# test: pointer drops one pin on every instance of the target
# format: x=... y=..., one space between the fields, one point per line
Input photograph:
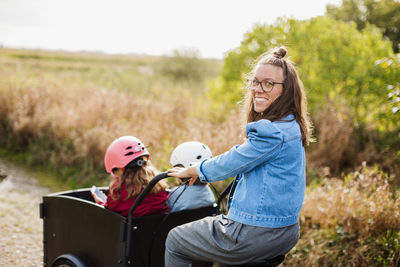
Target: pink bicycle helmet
x=122 y=151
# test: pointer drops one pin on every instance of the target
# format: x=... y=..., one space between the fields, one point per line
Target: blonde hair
x=136 y=178
x=291 y=101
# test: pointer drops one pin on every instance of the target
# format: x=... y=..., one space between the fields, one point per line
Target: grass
x=350 y=221
x=59 y=112
x=63 y=120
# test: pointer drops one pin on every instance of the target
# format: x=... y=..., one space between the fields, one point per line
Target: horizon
x=151 y=28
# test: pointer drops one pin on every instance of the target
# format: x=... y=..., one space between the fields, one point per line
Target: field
x=59 y=111
x=64 y=109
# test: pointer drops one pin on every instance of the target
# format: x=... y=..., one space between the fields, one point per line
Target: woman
x=269 y=170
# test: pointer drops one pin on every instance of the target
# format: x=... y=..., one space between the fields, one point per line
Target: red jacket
x=151 y=204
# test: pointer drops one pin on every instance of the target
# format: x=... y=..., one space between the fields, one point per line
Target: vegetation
x=384 y=14
x=346 y=73
x=59 y=111
x=353 y=221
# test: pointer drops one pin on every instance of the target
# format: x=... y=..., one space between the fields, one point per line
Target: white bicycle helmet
x=188 y=153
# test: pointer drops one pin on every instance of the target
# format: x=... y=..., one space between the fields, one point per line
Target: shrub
x=353 y=221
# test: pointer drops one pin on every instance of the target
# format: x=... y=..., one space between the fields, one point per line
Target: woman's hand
x=189 y=172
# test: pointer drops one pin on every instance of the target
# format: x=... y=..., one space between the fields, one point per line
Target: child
x=127 y=160
x=199 y=194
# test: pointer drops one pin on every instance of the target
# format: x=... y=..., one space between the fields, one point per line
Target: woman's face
x=261 y=99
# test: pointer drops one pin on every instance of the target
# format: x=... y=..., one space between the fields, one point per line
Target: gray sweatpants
x=219 y=239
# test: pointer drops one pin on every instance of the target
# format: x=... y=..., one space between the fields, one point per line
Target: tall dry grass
x=363 y=202
x=343 y=144
x=353 y=221
x=335 y=146
x=62 y=122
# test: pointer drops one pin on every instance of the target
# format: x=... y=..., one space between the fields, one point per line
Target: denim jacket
x=269 y=170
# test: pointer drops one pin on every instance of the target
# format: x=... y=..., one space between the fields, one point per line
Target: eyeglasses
x=266 y=85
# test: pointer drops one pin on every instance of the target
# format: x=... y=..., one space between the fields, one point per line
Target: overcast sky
x=151 y=27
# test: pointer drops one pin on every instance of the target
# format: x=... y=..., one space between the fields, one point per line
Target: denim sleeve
x=263 y=143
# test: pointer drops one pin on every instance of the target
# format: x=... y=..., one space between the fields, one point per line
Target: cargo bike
x=77 y=232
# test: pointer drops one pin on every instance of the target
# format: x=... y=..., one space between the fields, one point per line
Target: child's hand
x=98 y=200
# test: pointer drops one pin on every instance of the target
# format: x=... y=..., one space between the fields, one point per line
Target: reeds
x=363 y=203
x=350 y=221
x=69 y=123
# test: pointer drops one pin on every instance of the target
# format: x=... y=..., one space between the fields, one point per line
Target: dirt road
x=20 y=225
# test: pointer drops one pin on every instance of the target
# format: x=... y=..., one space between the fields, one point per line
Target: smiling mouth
x=260 y=99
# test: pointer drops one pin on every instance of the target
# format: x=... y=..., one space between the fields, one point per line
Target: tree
x=384 y=14
x=183 y=65
x=389 y=68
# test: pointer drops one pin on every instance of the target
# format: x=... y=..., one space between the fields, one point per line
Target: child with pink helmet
x=127 y=160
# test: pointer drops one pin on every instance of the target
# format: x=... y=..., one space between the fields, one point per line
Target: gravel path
x=20 y=226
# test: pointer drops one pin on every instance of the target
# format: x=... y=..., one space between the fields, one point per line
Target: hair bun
x=279 y=52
